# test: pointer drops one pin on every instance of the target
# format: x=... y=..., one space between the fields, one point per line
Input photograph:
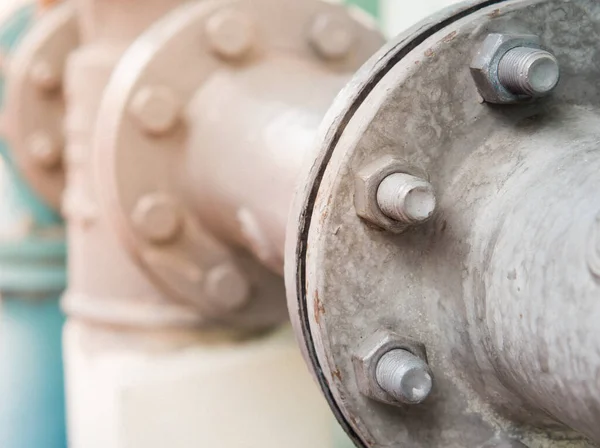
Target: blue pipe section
x=371 y=6
x=32 y=277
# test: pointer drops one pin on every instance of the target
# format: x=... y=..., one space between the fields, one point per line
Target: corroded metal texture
x=497 y=68
x=367 y=186
x=497 y=285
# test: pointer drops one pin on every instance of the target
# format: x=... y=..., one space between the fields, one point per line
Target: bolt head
x=45 y=150
x=231 y=34
x=367 y=356
x=366 y=188
x=157 y=109
x=332 y=36
x=227 y=287
x=45 y=77
x=484 y=66
x=158 y=217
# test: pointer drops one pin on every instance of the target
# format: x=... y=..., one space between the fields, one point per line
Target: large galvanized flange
x=34 y=112
x=141 y=151
x=347 y=280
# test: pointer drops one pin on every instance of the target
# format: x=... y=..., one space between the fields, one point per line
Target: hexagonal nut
x=369 y=353
x=366 y=184
x=484 y=66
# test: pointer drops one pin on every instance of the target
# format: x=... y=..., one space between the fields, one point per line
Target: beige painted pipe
x=202 y=131
x=104 y=283
x=246 y=149
x=144 y=367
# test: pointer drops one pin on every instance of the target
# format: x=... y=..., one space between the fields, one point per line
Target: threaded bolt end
x=404 y=376
x=406 y=198
x=529 y=71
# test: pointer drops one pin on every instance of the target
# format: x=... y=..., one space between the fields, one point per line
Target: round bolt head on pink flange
x=332 y=37
x=231 y=34
x=156 y=109
x=158 y=217
x=227 y=286
x=45 y=150
x=45 y=77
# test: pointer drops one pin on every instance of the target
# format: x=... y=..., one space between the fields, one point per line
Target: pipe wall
x=533 y=273
x=246 y=150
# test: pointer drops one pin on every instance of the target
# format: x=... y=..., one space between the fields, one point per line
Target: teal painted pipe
x=32 y=276
x=370 y=6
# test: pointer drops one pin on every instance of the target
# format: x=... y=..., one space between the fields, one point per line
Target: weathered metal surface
x=366 y=191
x=486 y=66
x=368 y=354
x=488 y=284
x=405 y=377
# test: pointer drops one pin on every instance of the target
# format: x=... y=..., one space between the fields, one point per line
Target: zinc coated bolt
x=404 y=376
x=368 y=355
x=529 y=71
x=231 y=34
x=406 y=198
x=510 y=68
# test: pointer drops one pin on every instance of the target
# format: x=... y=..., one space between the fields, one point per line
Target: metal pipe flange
x=468 y=283
x=146 y=126
x=34 y=112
